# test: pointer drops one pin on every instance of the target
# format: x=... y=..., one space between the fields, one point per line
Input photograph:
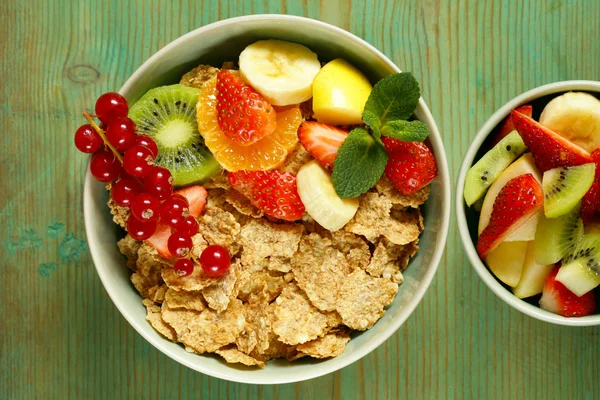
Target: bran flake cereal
x=330 y=345
x=233 y=355
x=362 y=299
x=183 y=300
x=154 y=317
x=290 y=329
x=320 y=270
x=208 y=330
x=218 y=294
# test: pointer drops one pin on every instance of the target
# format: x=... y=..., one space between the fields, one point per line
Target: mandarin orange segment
x=263 y=155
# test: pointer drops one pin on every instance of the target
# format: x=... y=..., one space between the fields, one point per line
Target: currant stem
x=90 y=119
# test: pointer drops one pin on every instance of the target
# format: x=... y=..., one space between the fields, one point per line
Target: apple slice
x=518 y=200
x=507 y=260
x=524 y=165
x=533 y=275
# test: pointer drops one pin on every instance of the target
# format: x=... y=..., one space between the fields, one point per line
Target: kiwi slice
x=490 y=166
x=556 y=237
x=580 y=271
x=564 y=187
x=168 y=115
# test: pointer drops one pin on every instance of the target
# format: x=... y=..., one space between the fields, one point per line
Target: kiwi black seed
x=564 y=187
x=490 y=166
x=555 y=238
x=160 y=115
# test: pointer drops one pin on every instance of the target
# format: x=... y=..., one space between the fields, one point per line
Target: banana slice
x=282 y=72
x=574 y=116
x=320 y=199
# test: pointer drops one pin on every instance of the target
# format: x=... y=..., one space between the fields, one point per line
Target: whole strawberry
x=410 y=166
x=274 y=192
x=558 y=299
x=243 y=114
x=590 y=204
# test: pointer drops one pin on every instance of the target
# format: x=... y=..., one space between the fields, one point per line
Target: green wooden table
x=61 y=336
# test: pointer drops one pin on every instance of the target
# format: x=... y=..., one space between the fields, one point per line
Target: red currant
x=140 y=230
x=188 y=226
x=183 y=267
x=121 y=133
x=159 y=182
x=105 y=166
x=215 y=260
x=145 y=207
x=174 y=210
x=138 y=161
x=111 y=105
x=179 y=244
x=147 y=141
x=125 y=191
x=87 y=139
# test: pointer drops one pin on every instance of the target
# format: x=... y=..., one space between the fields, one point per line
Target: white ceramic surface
x=214 y=44
x=463 y=227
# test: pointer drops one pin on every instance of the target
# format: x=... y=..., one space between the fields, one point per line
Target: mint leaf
x=393 y=98
x=359 y=164
x=407 y=131
x=372 y=121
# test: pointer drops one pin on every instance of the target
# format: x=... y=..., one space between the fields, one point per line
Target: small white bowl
x=223 y=41
x=461 y=217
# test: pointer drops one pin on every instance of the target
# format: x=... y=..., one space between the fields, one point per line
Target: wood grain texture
x=60 y=335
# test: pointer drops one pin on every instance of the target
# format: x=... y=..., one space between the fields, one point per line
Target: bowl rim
x=330 y=365
x=488 y=278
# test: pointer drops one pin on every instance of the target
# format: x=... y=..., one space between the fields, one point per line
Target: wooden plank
x=61 y=337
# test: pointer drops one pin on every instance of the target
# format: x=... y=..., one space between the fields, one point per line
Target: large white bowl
x=214 y=44
x=461 y=208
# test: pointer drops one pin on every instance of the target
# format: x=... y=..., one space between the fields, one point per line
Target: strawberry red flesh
x=411 y=165
x=517 y=201
x=549 y=149
x=196 y=196
x=558 y=299
x=273 y=192
x=590 y=204
x=243 y=114
x=508 y=126
x=322 y=141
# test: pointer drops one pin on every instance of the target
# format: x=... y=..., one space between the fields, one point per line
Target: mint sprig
x=407 y=131
x=359 y=164
x=362 y=158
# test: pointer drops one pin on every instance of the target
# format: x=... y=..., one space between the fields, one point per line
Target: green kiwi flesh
x=490 y=166
x=564 y=187
x=580 y=271
x=168 y=115
x=556 y=237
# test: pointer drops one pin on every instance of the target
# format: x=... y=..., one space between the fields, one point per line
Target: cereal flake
x=362 y=298
x=330 y=345
x=154 y=317
x=233 y=355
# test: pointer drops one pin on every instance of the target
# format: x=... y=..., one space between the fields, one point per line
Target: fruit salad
x=269 y=205
x=536 y=194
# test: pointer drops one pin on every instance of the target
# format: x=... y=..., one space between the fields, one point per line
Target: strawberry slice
x=322 y=141
x=558 y=299
x=243 y=114
x=590 y=204
x=410 y=166
x=508 y=126
x=517 y=201
x=549 y=149
x=274 y=192
x=196 y=196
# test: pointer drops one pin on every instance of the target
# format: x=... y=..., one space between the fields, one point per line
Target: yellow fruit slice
x=507 y=260
x=263 y=155
x=340 y=92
